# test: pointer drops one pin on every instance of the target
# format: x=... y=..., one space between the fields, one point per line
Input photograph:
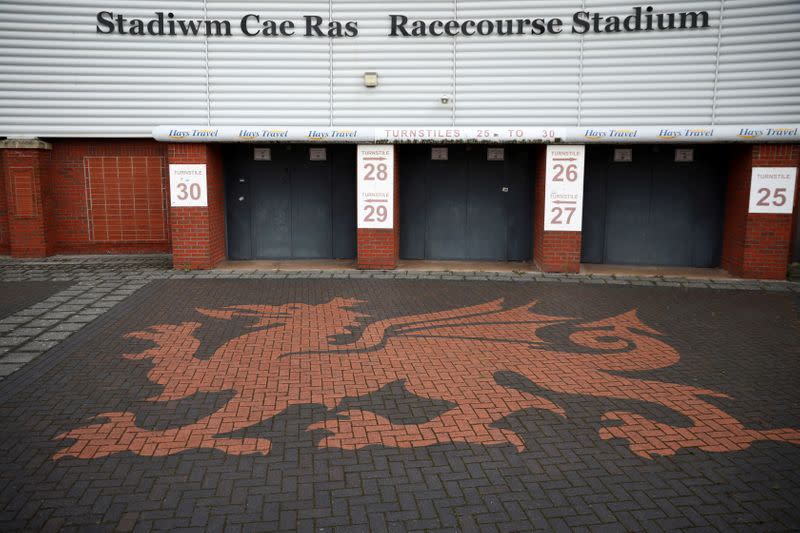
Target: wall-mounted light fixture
x=371 y=79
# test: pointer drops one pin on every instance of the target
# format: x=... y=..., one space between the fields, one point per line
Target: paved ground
x=14 y=297
x=337 y=400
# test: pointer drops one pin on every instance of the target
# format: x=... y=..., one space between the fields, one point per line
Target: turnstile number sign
x=564 y=188
x=376 y=187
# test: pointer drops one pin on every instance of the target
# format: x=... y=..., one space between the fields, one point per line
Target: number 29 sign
x=187 y=186
x=376 y=186
x=563 y=205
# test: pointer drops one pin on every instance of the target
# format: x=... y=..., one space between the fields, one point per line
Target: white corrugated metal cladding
x=59 y=77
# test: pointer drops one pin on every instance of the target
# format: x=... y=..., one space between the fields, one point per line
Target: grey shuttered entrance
x=466 y=207
x=653 y=210
x=291 y=207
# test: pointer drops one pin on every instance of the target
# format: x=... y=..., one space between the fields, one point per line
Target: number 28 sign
x=376 y=186
x=563 y=206
x=187 y=186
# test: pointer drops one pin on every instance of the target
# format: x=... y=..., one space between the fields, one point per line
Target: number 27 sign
x=376 y=186
x=563 y=206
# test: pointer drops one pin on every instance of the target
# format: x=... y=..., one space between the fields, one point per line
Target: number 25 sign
x=772 y=190
x=376 y=186
x=187 y=186
x=563 y=206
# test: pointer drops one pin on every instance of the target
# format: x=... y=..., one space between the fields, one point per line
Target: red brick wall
x=27 y=202
x=108 y=196
x=756 y=245
x=736 y=206
x=4 y=246
x=198 y=233
x=379 y=249
x=553 y=251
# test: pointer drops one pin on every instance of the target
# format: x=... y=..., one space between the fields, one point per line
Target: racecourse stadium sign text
x=642 y=19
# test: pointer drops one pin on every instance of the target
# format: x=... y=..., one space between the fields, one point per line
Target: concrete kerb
x=94 y=270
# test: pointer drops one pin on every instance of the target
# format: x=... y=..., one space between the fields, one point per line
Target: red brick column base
x=553 y=251
x=198 y=233
x=379 y=249
x=26 y=163
x=756 y=245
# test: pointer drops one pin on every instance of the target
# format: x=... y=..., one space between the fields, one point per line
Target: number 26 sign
x=187 y=186
x=563 y=206
x=376 y=186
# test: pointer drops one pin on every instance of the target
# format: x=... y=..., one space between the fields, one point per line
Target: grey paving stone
x=68 y=326
x=19 y=357
x=37 y=346
x=42 y=322
x=594 y=281
x=57 y=315
x=54 y=335
x=6 y=369
x=777 y=288
x=12 y=341
x=82 y=318
x=28 y=331
x=30 y=313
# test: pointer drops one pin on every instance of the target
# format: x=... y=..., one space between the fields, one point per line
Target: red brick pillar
x=198 y=233
x=756 y=245
x=379 y=249
x=26 y=163
x=553 y=251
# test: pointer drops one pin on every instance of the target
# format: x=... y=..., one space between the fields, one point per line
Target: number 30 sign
x=187 y=186
x=376 y=186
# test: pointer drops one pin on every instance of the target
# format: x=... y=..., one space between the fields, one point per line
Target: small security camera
x=445 y=98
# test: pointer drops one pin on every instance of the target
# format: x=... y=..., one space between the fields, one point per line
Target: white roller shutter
x=759 y=62
x=268 y=80
x=58 y=77
x=414 y=72
x=518 y=79
x=655 y=78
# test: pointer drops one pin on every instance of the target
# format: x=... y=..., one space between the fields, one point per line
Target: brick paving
x=368 y=401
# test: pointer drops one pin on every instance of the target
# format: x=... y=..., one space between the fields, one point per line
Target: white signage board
x=623 y=155
x=187 y=186
x=684 y=155
x=439 y=154
x=317 y=154
x=563 y=205
x=772 y=190
x=262 y=154
x=376 y=186
x=495 y=154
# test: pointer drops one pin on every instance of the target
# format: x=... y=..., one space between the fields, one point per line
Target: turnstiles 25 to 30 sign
x=376 y=186
x=563 y=206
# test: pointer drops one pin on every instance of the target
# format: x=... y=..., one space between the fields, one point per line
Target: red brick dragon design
x=290 y=357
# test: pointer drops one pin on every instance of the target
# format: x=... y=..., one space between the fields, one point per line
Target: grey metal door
x=653 y=210
x=466 y=207
x=291 y=207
